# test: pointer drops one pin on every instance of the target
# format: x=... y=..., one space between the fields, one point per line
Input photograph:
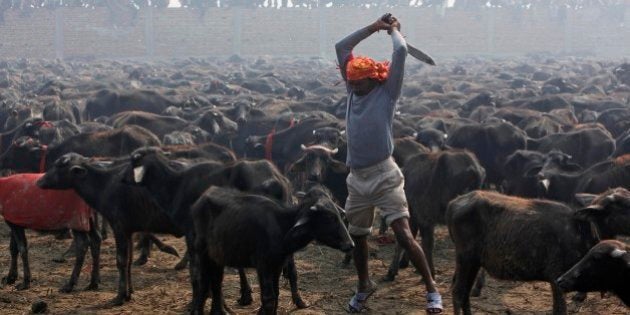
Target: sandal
x=357 y=303
x=434 y=303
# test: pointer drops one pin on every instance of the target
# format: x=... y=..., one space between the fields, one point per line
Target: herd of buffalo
x=525 y=160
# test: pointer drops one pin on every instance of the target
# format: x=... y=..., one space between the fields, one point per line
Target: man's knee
x=402 y=231
x=357 y=231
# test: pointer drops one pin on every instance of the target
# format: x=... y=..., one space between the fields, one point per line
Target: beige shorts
x=380 y=185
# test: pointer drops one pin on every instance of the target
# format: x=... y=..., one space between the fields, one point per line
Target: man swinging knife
x=375 y=180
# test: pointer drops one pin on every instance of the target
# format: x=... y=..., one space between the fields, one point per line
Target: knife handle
x=387 y=18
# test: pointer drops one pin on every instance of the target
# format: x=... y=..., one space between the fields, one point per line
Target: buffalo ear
x=584 y=199
x=297 y=229
x=572 y=167
x=78 y=171
x=590 y=212
x=302 y=221
x=298 y=166
x=617 y=253
x=532 y=172
x=34 y=149
x=297 y=234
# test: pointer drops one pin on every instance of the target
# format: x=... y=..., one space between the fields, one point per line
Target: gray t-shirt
x=369 y=118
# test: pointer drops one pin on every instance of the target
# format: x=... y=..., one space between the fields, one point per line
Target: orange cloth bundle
x=363 y=67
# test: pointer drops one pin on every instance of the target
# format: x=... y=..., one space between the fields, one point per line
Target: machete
x=418 y=54
x=413 y=51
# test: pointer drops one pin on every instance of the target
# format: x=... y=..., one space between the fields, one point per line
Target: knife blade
x=413 y=51
x=418 y=54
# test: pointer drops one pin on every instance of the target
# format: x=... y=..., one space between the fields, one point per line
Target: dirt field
x=161 y=290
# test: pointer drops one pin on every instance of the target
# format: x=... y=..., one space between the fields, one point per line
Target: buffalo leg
x=184 y=261
x=63 y=234
x=95 y=251
x=268 y=297
x=22 y=245
x=200 y=267
x=246 y=290
x=82 y=241
x=579 y=297
x=276 y=291
x=163 y=247
x=103 y=227
x=144 y=244
x=215 y=272
x=383 y=228
x=466 y=269
x=70 y=252
x=392 y=272
x=559 y=304
x=293 y=283
x=198 y=300
x=13 y=272
x=123 y=244
x=347 y=259
x=129 y=260
x=479 y=283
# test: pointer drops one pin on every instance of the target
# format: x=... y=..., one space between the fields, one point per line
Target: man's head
x=363 y=86
x=363 y=74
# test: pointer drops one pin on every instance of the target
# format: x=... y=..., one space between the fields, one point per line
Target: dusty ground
x=161 y=290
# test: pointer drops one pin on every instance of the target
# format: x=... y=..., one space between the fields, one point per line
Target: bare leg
x=361 y=263
x=416 y=255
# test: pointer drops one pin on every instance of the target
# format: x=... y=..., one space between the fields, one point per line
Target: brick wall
x=77 y=32
x=31 y=36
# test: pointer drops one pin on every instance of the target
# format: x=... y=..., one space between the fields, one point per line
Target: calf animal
x=431 y=181
x=587 y=146
x=244 y=230
x=24 y=205
x=491 y=144
x=176 y=190
x=128 y=209
x=508 y=237
x=29 y=155
x=606 y=267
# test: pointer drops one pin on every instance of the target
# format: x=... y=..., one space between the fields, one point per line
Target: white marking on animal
x=138 y=174
x=545 y=183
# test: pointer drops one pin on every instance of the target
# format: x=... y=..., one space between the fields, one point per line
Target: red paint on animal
x=23 y=203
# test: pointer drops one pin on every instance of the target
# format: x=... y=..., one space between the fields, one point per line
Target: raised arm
x=393 y=84
x=344 y=47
